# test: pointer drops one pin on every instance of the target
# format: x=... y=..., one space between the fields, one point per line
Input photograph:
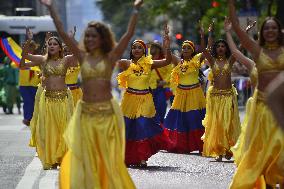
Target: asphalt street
x=21 y=169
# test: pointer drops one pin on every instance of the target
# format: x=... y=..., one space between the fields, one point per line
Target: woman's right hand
x=201 y=30
x=166 y=38
x=29 y=34
x=47 y=36
x=47 y=3
x=227 y=25
x=138 y=4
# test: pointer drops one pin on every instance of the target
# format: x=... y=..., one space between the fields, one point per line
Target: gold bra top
x=225 y=70
x=266 y=64
x=102 y=70
x=58 y=70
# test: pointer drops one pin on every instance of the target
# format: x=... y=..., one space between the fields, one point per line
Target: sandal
x=219 y=158
x=228 y=155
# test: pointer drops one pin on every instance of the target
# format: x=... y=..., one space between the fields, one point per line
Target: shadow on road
x=158 y=168
x=226 y=161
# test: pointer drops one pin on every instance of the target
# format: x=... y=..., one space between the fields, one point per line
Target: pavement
x=21 y=169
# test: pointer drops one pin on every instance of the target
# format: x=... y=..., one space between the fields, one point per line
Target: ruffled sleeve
x=122 y=78
x=196 y=60
x=174 y=80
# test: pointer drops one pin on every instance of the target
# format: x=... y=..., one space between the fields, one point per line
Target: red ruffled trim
x=169 y=94
x=136 y=151
x=186 y=142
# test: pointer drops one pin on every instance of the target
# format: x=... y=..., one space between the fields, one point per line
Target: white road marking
x=32 y=177
x=49 y=180
x=12 y=127
x=31 y=174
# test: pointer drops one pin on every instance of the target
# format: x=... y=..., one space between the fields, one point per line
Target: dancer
x=159 y=82
x=265 y=152
x=275 y=98
x=40 y=88
x=95 y=135
x=240 y=146
x=55 y=104
x=184 y=120
x=221 y=122
x=28 y=82
x=145 y=135
x=73 y=73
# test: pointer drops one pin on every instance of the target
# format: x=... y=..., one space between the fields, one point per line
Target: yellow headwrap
x=189 y=43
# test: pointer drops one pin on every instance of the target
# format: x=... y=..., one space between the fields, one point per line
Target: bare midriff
x=54 y=83
x=96 y=90
x=265 y=78
x=222 y=82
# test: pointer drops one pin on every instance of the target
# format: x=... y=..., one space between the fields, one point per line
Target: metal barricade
x=244 y=88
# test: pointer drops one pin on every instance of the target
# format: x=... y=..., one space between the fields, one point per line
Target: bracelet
x=209 y=48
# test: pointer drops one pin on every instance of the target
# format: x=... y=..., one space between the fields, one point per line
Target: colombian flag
x=13 y=51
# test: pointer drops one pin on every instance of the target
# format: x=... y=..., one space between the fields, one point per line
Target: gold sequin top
x=266 y=64
x=102 y=70
x=221 y=71
x=58 y=70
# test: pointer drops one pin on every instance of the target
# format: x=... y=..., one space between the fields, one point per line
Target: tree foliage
x=185 y=12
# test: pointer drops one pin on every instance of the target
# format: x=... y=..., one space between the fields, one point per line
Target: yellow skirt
x=96 y=142
x=137 y=105
x=186 y=100
x=77 y=95
x=264 y=148
x=35 y=117
x=221 y=122
x=238 y=149
x=54 y=112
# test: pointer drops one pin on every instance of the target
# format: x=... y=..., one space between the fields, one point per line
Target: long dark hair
x=141 y=42
x=280 y=36
x=108 y=42
x=60 y=45
x=158 y=46
x=214 y=48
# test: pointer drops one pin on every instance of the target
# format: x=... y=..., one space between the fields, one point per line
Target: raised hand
x=72 y=33
x=227 y=24
x=138 y=4
x=47 y=35
x=211 y=26
x=47 y=3
x=166 y=39
x=250 y=26
x=201 y=29
x=29 y=34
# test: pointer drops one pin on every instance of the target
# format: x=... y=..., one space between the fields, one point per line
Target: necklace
x=96 y=53
x=55 y=58
x=220 y=58
x=271 y=46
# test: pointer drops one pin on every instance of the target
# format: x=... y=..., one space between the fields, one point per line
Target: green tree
x=188 y=13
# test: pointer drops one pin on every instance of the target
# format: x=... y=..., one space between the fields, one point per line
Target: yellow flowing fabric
x=35 y=116
x=221 y=122
x=54 y=112
x=96 y=142
x=264 y=153
x=77 y=95
x=238 y=150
